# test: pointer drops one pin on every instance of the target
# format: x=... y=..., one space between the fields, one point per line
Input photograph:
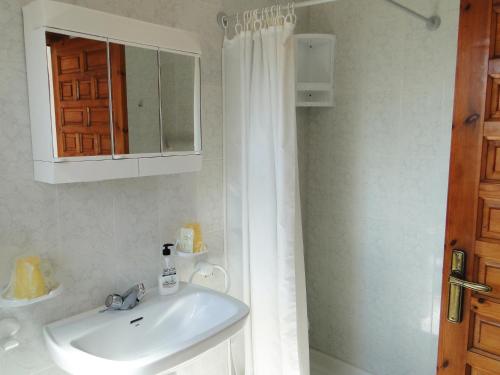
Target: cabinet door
x=80 y=95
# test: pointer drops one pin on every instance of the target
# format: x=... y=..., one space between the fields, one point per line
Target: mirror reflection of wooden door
x=469 y=342
x=81 y=96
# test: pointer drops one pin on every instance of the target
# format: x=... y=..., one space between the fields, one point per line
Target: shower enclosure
x=373 y=173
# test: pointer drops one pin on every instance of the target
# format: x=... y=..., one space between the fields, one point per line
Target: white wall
x=103 y=236
x=374 y=177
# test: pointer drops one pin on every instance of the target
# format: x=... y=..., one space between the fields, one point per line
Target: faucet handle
x=141 y=291
x=114 y=301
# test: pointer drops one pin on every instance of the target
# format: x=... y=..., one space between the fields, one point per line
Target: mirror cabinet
x=107 y=103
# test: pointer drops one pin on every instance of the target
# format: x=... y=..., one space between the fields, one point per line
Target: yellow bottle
x=29 y=281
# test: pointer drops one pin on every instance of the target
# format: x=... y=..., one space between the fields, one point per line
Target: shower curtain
x=263 y=223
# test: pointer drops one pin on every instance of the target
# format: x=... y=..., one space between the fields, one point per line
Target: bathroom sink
x=161 y=333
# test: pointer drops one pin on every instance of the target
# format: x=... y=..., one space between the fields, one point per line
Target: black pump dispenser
x=166 y=249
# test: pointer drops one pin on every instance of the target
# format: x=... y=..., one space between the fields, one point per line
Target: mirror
x=136 y=103
x=78 y=81
x=179 y=101
x=155 y=98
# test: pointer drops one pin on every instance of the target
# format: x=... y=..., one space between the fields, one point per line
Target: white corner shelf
x=10 y=303
x=314 y=104
x=185 y=255
x=314 y=60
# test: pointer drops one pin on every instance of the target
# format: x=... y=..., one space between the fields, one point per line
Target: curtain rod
x=432 y=22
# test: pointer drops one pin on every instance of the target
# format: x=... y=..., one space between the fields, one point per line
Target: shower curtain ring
x=225 y=23
x=266 y=17
x=291 y=17
x=257 y=24
x=281 y=17
x=294 y=16
x=238 y=27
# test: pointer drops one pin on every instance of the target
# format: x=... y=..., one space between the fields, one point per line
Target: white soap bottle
x=168 y=283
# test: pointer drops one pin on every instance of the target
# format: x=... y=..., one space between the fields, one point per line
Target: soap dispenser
x=168 y=282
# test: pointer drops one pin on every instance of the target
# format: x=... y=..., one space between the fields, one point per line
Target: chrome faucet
x=127 y=300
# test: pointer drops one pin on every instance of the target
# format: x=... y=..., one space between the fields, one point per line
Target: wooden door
x=470 y=344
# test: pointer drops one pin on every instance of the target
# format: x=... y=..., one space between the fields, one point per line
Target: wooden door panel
x=489 y=274
x=70 y=143
x=495 y=31
x=98 y=117
x=69 y=64
x=486 y=334
x=73 y=117
x=95 y=59
x=476 y=371
x=489 y=218
x=492 y=170
x=89 y=144
x=84 y=89
x=493 y=112
x=104 y=144
x=101 y=89
x=66 y=91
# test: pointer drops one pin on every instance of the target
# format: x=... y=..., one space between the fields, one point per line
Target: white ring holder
x=206 y=270
x=8 y=329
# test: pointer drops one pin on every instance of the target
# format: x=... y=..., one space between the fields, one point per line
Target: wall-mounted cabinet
x=110 y=97
x=314 y=58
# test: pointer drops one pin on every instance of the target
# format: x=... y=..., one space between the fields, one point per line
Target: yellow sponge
x=198 y=239
x=29 y=281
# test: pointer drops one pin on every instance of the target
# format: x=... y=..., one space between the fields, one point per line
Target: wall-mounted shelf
x=186 y=255
x=10 y=303
x=314 y=57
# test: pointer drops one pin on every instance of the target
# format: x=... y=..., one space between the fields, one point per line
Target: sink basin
x=161 y=333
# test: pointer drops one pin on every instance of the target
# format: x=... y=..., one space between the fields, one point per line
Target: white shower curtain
x=263 y=220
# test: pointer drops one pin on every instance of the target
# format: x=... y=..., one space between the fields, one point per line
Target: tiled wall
x=102 y=236
x=375 y=183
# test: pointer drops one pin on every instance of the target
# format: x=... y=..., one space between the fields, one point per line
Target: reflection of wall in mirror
x=177 y=87
x=142 y=100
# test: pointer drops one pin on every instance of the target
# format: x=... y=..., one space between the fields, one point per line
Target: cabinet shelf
x=314 y=86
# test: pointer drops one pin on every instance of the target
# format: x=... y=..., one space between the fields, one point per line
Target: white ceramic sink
x=159 y=334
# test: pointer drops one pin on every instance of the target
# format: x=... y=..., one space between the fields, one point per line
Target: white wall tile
x=376 y=180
